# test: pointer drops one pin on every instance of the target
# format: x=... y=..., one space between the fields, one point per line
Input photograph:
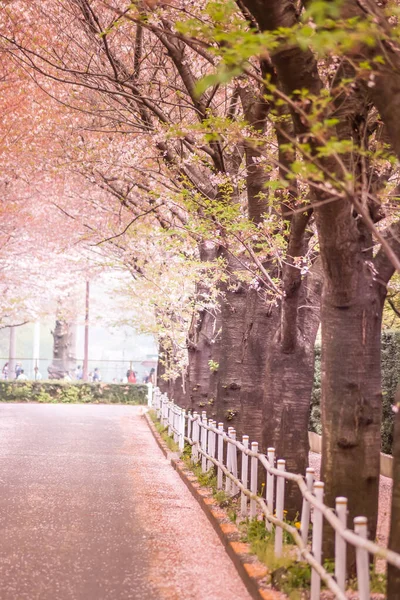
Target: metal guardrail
x=211 y=444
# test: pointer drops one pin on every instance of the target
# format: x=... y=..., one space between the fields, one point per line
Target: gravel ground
x=385 y=498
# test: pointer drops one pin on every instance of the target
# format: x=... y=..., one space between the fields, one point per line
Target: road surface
x=91 y=510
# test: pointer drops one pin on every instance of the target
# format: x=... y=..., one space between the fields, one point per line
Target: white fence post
x=220 y=455
x=162 y=402
x=305 y=511
x=245 y=476
x=176 y=416
x=269 y=492
x=182 y=430
x=280 y=502
x=195 y=434
x=210 y=445
x=253 y=480
x=150 y=394
x=340 y=544
x=157 y=399
x=203 y=441
x=164 y=409
x=170 y=416
x=317 y=541
x=228 y=462
x=362 y=562
x=214 y=446
x=234 y=470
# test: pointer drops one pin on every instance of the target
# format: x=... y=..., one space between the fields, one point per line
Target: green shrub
x=74 y=392
x=390 y=362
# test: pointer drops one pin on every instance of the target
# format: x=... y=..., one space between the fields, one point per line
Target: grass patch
x=163 y=431
x=288 y=575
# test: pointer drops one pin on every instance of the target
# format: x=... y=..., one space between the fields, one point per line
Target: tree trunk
x=203 y=344
x=233 y=314
x=203 y=353
x=259 y=325
x=393 y=589
x=178 y=392
x=64 y=359
x=351 y=401
x=288 y=383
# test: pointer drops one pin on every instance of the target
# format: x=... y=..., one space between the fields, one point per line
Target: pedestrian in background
x=37 y=374
x=151 y=376
x=4 y=372
x=22 y=376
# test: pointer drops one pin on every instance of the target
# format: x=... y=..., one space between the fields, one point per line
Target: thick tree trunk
x=393 y=589
x=203 y=352
x=203 y=344
x=351 y=394
x=64 y=359
x=289 y=379
x=259 y=325
x=233 y=315
x=247 y=327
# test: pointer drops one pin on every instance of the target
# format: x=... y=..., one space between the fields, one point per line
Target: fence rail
x=211 y=445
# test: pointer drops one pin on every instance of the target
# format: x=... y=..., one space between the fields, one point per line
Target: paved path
x=91 y=510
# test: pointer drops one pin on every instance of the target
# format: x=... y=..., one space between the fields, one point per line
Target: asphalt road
x=91 y=510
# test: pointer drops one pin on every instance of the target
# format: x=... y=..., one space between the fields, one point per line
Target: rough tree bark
x=64 y=359
x=233 y=315
x=289 y=377
x=203 y=343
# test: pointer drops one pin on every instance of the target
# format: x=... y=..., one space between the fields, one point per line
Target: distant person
x=4 y=372
x=96 y=376
x=79 y=372
x=37 y=376
x=146 y=377
x=90 y=376
x=132 y=377
x=22 y=376
x=18 y=370
x=152 y=375
x=67 y=376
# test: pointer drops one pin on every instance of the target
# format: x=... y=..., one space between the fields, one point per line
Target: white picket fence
x=208 y=445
